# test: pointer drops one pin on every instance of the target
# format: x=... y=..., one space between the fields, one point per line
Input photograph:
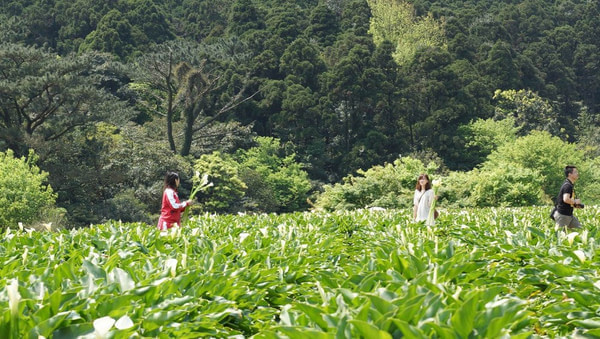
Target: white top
x=171 y=196
x=423 y=201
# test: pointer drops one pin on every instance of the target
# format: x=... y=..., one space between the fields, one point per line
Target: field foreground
x=481 y=273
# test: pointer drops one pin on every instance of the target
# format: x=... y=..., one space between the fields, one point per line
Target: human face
x=177 y=182
x=573 y=176
x=423 y=183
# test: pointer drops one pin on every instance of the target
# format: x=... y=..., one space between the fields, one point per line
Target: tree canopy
x=349 y=85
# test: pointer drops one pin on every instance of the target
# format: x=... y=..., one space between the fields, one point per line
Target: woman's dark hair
x=418 y=186
x=170 y=179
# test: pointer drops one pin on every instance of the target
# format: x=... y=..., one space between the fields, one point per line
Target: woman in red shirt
x=170 y=212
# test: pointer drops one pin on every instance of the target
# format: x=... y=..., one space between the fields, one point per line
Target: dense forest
x=111 y=94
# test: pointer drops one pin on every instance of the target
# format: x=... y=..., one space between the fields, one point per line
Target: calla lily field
x=495 y=272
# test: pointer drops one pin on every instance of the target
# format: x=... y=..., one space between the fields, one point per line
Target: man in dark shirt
x=566 y=201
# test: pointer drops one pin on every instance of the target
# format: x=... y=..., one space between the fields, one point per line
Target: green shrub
x=227 y=190
x=482 y=137
x=388 y=186
x=275 y=181
x=588 y=185
x=541 y=152
x=504 y=185
x=526 y=171
x=24 y=194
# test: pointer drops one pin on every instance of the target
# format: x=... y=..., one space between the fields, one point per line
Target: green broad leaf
x=405 y=268
x=116 y=306
x=449 y=251
x=440 y=332
x=363 y=313
x=96 y=271
x=463 y=320
x=43 y=313
x=5 y=323
x=123 y=278
x=315 y=314
x=74 y=331
x=342 y=329
x=587 y=323
x=303 y=332
x=157 y=319
x=370 y=331
x=593 y=332
x=54 y=300
x=502 y=316
x=64 y=271
x=383 y=306
x=175 y=303
x=408 y=330
x=496 y=325
x=101 y=245
x=267 y=334
x=584 y=297
x=409 y=308
x=524 y=335
x=559 y=270
x=537 y=232
x=349 y=296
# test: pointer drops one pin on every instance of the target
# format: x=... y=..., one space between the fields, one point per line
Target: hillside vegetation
x=112 y=94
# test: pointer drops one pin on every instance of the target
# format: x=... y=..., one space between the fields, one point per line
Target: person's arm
x=568 y=200
x=415 y=206
x=173 y=202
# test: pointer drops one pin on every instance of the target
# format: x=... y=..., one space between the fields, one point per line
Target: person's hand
x=190 y=202
x=436 y=197
x=577 y=201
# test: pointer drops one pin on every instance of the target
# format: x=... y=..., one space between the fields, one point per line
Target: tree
x=196 y=20
x=244 y=18
x=44 y=96
x=505 y=184
x=323 y=25
x=483 y=136
x=42 y=29
x=149 y=22
x=396 y=21
x=501 y=67
x=24 y=193
x=286 y=22
x=77 y=19
x=196 y=85
x=113 y=35
x=587 y=70
x=529 y=111
x=301 y=59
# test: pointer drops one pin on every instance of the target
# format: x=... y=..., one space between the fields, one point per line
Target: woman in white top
x=423 y=198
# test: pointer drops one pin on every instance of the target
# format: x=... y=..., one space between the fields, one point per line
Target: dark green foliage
x=244 y=18
x=306 y=72
x=275 y=181
x=44 y=96
x=389 y=186
x=264 y=178
x=113 y=35
x=323 y=25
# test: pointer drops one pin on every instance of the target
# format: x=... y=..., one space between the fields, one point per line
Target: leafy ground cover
x=482 y=273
